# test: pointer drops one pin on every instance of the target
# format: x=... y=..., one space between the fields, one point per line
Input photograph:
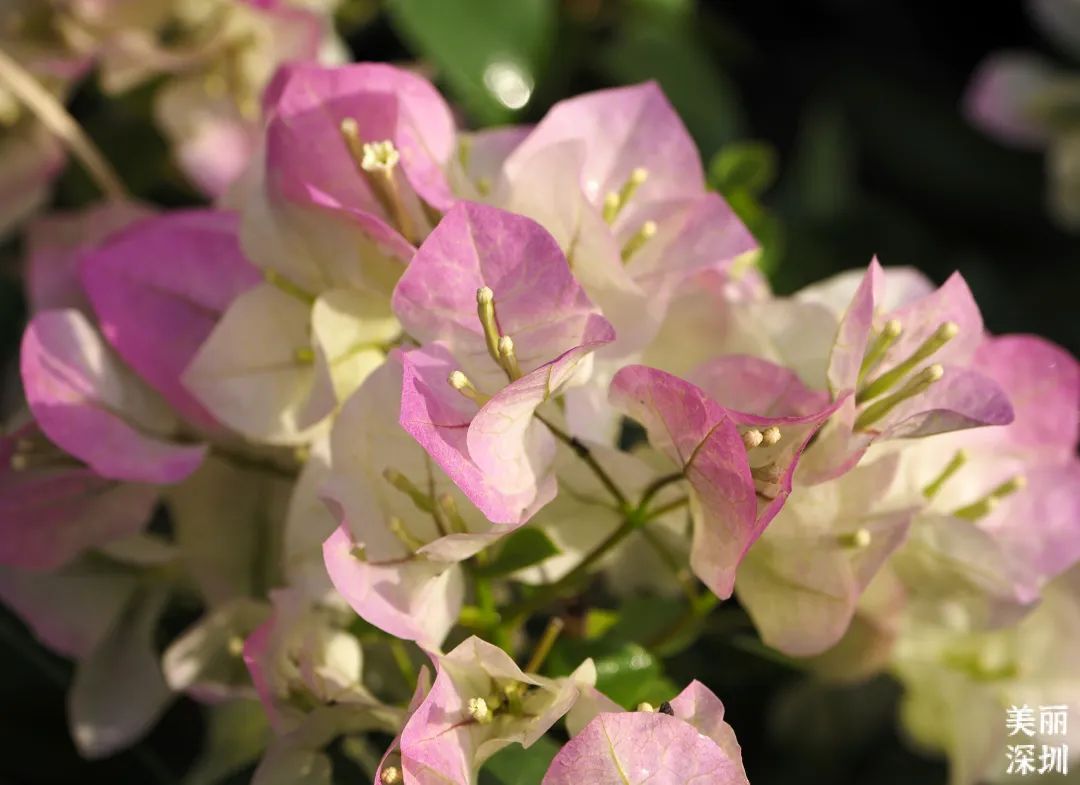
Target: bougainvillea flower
x=496 y=295
x=205 y=661
x=389 y=769
x=1003 y=97
x=52 y=508
x=685 y=742
x=303 y=657
x=102 y=616
x=370 y=140
x=739 y=465
x=214 y=123
x=907 y=371
x=801 y=582
x=291 y=349
x=159 y=288
x=1042 y=381
x=481 y=701
x=616 y=178
x=1003 y=502
x=301 y=755
x=55 y=247
x=733 y=306
x=867 y=646
x=476 y=168
x=959 y=684
x=404 y=524
x=87 y=403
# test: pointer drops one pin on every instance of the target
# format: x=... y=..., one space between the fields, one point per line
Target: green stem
x=516 y=614
x=543 y=647
x=664 y=509
x=585 y=454
x=658 y=485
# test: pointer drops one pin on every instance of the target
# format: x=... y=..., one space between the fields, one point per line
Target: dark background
x=857 y=102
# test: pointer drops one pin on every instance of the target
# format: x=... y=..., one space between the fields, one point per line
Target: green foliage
x=516 y=765
x=744 y=166
x=743 y=172
x=489 y=52
x=523 y=548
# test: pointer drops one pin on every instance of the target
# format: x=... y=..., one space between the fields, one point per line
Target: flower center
x=377 y=163
x=886 y=381
x=615 y=201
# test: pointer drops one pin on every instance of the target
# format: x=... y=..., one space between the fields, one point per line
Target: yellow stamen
x=236 y=645
x=406 y=486
x=918 y=384
x=391 y=775
x=379 y=156
x=397 y=526
x=860 y=538
x=645 y=706
x=304 y=355
x=882 y=384
x=377 y=162
x=485 y=311
x=637 y=242
x=283 y=284
x=888 y=335
x=460 y=382
x=509 y=358
x=951 y=468
x=986 y=505
x=449 y=509
x=751 y=438
x=770 y=436
x=479 y=711
x=615 y=201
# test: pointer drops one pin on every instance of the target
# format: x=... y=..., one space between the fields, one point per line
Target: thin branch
x=61 y=124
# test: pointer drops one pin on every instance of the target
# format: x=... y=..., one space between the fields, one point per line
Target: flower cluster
x=212 y=59
x=1023 y=100
x=416 y=387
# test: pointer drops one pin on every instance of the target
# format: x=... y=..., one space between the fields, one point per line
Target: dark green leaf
x=750 y=167
x=522 y=549
x=490 y=52
x=515 y=765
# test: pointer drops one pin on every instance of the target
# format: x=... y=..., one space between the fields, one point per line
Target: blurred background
x=835 y=129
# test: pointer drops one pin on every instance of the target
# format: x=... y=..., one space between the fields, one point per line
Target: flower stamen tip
x=480 y=711
x=752 y=438
x=379 y=156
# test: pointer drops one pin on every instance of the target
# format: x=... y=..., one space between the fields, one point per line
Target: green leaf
x=515 y=765
x=625 y=672
x=749 y=167
x=490 y=52
x=522 y=549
